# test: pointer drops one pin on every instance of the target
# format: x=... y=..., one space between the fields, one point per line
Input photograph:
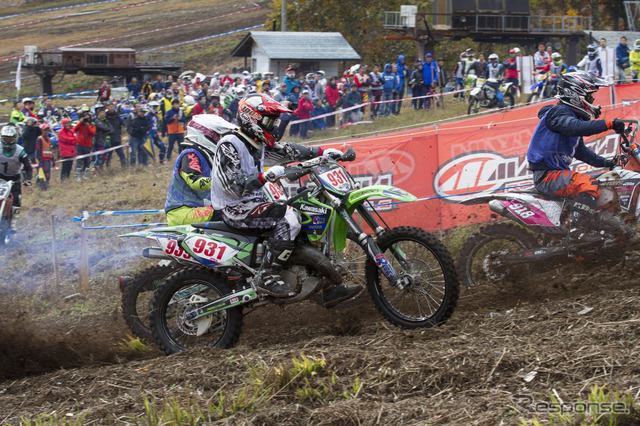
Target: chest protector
x=10 y=165
x=221 y=198
x=180 y=194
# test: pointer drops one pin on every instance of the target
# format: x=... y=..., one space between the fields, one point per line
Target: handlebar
x=297 y=171
x=630 y=130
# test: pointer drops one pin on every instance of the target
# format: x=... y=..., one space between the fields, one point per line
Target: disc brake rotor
x=493 y=266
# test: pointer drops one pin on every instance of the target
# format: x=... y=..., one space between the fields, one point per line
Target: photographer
x=85 y=131
x=101 y=139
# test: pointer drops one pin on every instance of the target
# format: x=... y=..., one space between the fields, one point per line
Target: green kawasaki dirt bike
x=410 y=275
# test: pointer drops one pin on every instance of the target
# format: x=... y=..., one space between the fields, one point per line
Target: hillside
x=122 y=28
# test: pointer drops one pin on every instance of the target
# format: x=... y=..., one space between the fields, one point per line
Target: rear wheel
x=433 y=289
x=181 y=293
x=480 y=259
x=474 y=105
x=138 y=296
x=509 y=102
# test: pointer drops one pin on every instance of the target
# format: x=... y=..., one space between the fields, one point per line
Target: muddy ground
x=467 y=371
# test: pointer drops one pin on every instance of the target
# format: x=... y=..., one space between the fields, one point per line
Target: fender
x=475 y=91
x=356 y=198
x=162 y=232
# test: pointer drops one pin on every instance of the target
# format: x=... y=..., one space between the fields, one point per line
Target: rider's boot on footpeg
x=582 y=212
x=269 y=279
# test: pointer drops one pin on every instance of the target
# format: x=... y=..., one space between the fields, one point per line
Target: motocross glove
x=332 y=153
x=274 y=173
x=27 y=183
x=617 y=126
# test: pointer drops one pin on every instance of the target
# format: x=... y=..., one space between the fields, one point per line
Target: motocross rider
x=496 y=70
x=591 y=63
x=555 y=68
x=557 y=139
x=189 y=196
x=12 y=158
x=237 y=181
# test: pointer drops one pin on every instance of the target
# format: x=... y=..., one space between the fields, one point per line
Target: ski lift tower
x=633 y=14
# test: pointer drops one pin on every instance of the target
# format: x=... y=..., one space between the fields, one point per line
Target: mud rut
x=496 y=335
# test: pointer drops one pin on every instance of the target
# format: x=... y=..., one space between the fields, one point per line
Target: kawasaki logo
x=312 y=209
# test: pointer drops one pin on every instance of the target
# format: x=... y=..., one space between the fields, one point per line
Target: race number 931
x=207 y=248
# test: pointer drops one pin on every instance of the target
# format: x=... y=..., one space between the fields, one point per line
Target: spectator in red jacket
x=200 y=107
x=332 y=94
x=305 y=106
x=104 y=93
x=85 y=131
x=67 y=147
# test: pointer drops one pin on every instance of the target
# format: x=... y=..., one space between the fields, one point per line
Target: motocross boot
x=269 y=279
x=78 y=173
x=15 y=215
x=581 y=215
x=330 y=297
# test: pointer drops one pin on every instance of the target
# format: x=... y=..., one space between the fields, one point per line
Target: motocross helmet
x=493 y=58
x=556 y=58
x=310 y=77
x=259 y=118
x=636 y=45
x=463 y=56
x=592 y=50
x=470 y=53
x=512 y=51
x=576 y=89
x=9 y=138
x=204 y=131
x=239 y=92
x=189 y=100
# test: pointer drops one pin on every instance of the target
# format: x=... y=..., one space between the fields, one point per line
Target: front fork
x=367 y=242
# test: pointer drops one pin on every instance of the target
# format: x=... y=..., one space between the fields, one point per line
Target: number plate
x=336 y=179
x=273 y=192
x=4 y=190
x=215 y=251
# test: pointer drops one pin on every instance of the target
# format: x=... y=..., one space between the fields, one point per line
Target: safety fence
x=57 y=8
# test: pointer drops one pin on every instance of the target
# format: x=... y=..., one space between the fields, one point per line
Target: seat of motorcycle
x=539 y=194
x=221 y=226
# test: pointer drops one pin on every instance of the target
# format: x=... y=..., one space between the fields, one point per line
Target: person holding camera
x=101 y=139
x=85 y=131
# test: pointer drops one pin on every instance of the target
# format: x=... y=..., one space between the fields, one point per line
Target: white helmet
x=9 y=137
x=493 y=58
x=204 y=131
x=189 y=100
x=239 y=91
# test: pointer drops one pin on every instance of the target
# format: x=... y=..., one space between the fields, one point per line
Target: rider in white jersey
x=12 y=158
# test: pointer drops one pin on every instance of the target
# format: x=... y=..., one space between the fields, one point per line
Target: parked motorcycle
x=540 y=89
x=6 y=202
x=484 y=96
x=502 y=251
x=410 y=275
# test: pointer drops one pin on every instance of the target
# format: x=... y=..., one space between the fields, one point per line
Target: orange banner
x=445 y=163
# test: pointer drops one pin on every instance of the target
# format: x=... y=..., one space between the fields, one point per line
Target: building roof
x=298 y=46
x=613 y=37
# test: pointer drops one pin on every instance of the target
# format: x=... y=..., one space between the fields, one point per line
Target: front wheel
x=533 y=97
x=474 y=105
x=433 y=289
x=181 y=293
x=481 y=257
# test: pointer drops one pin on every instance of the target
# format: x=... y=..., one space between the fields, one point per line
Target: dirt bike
x=484 y=96
x=540 y=88
x=502 y=251
x=410 y=275
x=6 y=201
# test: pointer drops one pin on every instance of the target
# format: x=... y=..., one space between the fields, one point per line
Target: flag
x=148 y=148
x=18 y=76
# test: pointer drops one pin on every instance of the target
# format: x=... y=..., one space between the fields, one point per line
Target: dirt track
x=465 y=372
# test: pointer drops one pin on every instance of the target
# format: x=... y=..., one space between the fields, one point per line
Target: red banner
x=448 y=162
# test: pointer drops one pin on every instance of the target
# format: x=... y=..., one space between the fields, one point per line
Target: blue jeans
x=387 y=107
x=161 y=146
x=135 y=143
x=304 y=128
x=622 y=78
x=174 y=138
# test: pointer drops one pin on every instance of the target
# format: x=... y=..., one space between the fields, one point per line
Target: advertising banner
x=445 y=163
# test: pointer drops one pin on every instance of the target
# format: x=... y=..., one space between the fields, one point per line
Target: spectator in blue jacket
x=158 y=85
x=403 y=73
x=430 y=76
x=134 y=88
x=389 y=89
x=622 y=59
